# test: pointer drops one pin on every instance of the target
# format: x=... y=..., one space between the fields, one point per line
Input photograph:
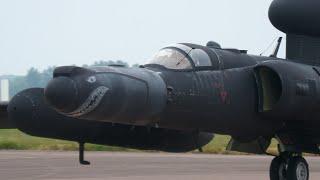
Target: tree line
x=36 y=78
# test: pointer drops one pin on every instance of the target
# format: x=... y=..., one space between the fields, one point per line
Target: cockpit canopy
x=181 y=56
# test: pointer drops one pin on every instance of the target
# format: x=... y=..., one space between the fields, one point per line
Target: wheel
x=298 y=169
x=278 y=169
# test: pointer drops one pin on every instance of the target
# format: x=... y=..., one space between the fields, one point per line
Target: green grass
x=16 y=140
x=217 y=145
x=220 y=142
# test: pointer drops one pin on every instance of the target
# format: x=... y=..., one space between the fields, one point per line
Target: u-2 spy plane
x=186 y=93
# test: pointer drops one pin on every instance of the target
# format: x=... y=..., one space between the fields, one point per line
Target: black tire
x=278 y=169
x=298 y=169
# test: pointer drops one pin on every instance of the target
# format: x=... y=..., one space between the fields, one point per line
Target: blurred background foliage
x=37 y=78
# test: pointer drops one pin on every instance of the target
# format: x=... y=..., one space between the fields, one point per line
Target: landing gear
x=81 y=154
x=298 y=169
x=278 y=169
x=289 y=166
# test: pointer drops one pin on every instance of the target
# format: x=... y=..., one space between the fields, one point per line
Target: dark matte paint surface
x=30 y=113
x=198 y=100
x=296 y=16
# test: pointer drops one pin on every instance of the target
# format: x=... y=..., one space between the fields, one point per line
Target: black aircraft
x=187 y=92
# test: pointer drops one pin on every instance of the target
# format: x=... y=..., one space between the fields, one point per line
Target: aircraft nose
x=61 y=94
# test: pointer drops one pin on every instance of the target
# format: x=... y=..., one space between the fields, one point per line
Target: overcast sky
x=41 y=33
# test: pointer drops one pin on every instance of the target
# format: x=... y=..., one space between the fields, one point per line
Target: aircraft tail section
x=302 y=47
x=300 y=20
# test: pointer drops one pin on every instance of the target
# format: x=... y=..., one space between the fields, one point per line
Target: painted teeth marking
x=91 y=102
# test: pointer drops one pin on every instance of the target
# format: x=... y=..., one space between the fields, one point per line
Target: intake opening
x=269 y=88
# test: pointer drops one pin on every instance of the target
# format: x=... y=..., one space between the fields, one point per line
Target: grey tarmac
x=48 y=165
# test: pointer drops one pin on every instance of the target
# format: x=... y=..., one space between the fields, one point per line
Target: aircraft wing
x=4 y=120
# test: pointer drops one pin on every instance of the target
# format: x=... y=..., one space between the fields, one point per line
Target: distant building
x=4 y=90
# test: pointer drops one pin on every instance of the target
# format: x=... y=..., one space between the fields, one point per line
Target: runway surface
x=28 y=165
